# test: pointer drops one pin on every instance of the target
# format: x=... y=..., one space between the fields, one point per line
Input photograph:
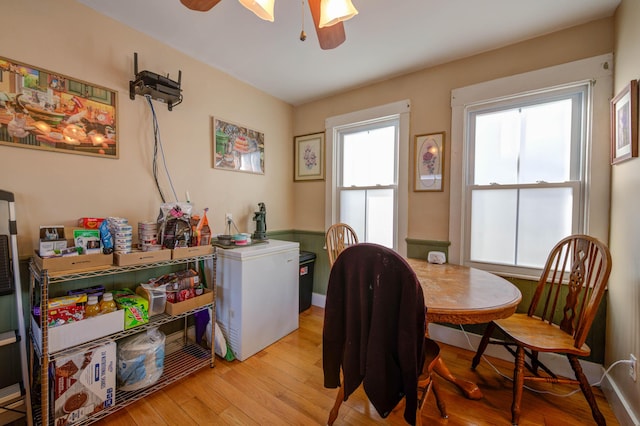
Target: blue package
x=106 y=238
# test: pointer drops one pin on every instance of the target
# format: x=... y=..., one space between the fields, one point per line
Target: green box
x=136 y=308
x=88 y=239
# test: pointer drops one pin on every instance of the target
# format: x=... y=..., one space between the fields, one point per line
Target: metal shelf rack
x=182 y=356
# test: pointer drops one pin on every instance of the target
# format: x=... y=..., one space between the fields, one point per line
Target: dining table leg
x=468 y=388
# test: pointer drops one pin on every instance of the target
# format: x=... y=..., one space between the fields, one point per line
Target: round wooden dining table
x=457 y=294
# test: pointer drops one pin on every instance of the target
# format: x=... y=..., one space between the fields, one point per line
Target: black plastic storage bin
x=305 y=279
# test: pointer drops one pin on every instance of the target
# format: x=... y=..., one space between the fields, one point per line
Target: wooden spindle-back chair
x=559 y=318
x=339 y=236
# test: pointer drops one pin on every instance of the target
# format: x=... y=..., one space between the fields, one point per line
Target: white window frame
x=597 y=168
x=400 y=110
x=341 y=131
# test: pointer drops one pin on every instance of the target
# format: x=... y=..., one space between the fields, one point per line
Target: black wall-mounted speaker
x=6 y=279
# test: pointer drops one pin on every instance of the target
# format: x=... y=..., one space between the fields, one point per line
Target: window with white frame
x=529 y=165
x=364 y=179
x=526 y=175
x=367 y=184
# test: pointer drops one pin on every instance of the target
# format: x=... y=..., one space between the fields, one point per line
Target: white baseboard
x=318 y=299
x=619 y=404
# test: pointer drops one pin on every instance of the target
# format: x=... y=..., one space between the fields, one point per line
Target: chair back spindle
x=339 y=236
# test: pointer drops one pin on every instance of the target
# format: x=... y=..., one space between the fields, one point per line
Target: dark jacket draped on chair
x=374 y=327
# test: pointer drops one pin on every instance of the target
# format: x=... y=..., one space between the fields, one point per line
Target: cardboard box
x=184 y=252
x=84 y=383
x=72 y=264
x=139 y=257
x=52 y=239
x=90 y=222
x=181 y=307
x=88 y=239
x=76 y=333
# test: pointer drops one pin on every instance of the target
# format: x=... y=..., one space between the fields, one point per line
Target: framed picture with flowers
x=428 y=162
x=624 y=124
x=308 y=157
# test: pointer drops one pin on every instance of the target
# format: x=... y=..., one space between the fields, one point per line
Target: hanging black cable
x=157 y=143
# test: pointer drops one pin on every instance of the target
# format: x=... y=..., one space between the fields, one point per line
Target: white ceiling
x=387 y=38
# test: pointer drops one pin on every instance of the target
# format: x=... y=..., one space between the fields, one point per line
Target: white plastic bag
x=140 y=360
x=221 y=349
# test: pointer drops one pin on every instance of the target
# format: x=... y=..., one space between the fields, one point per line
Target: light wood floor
x=283 y=385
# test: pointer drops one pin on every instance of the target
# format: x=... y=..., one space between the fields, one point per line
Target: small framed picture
x=308 y=157
x=428 y=162
x=624 y=124
x=237 y=147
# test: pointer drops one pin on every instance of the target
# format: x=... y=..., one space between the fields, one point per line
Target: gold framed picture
x=308 y=157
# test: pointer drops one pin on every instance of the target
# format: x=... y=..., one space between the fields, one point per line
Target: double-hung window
x=525 y=186
x=529 y=165
x=366 y=182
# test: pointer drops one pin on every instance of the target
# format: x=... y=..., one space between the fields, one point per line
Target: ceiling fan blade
x=200 y=5
x=329 y=37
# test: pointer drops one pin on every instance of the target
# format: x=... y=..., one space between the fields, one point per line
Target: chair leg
x=483 y=345
x=333 y=415
x=586 y=390
x=439 y=400
x=518 y=385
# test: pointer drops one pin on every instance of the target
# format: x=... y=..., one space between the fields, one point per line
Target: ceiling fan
x=330 y=35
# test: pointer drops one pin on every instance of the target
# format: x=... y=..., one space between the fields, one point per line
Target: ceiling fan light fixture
x=262 y=8
x=334 y=11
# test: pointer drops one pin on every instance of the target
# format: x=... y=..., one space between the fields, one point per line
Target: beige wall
x=623 y=319
x=54 y=188
x=430 y=91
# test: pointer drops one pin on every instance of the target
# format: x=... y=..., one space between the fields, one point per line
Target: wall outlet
x=633 y=367
x=228 y=217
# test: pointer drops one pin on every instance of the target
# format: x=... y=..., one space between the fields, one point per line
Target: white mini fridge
x=257 y=294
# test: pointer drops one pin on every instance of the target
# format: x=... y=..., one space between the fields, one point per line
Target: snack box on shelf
x=189 y=304
x=71 y=264
x=90 y=222
x=184 y=252
x=75 y=333
x=136 y=308
x=84 y=383
x=139 y=257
